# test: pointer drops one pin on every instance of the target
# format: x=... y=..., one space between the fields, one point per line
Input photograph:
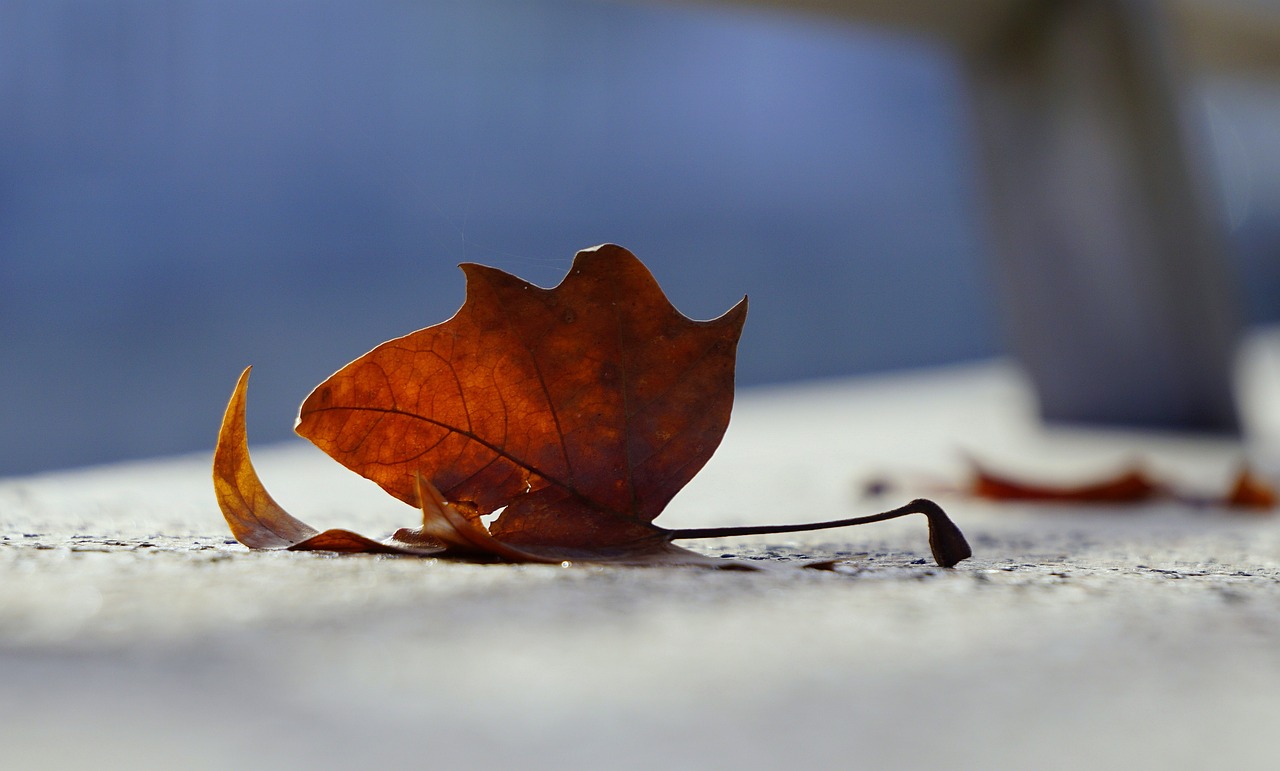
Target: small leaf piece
x=581 y=409
x=1251 y=492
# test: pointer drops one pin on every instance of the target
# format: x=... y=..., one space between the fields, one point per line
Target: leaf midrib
x=496 y=450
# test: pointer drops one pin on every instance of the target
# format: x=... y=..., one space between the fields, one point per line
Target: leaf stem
x=945 y=539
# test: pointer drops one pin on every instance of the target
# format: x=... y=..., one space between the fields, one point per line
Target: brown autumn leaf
x=1131 y=485
x=577 y=411
x=582 y=409
x=1128 y=485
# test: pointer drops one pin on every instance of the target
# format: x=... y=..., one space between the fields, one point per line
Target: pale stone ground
x=134 y=634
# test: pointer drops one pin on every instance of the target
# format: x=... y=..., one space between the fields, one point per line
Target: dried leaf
x=578 y=411
x=1131 y=485
x=582 y=409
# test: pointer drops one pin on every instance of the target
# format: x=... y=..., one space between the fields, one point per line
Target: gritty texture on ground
x=134 y=633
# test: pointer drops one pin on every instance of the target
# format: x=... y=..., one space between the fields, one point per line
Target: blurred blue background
x=190 y=187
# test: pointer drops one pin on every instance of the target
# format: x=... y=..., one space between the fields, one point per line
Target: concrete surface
x=135 y=634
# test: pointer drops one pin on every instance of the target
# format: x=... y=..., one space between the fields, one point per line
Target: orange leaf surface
x=582 y=409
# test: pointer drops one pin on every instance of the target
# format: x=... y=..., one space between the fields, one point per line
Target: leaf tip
x=605 y=248
x=255 y=519
x=737 y=315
